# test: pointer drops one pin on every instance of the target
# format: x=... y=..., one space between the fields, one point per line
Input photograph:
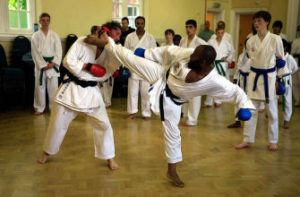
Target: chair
x=12 y=84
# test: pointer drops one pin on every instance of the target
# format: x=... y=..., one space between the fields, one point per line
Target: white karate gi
x=287 y=98
x=242 y=73
x=177 y=59
x=135 y=83
x=224 y=49
x=263 y=56
x=191 y=109
x=72 y=99
x=296 y=76
x=226 y=36
x=106 y=89
x=45 y=46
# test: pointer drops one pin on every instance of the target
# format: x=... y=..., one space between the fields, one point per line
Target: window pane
x=23 y=4
x=135 y=14
x=24 y=20
x=13 y=4
x=130 y=11
x=13 y=19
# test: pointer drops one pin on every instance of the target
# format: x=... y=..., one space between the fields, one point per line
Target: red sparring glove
x=116 y=74
x=96 y=70
x=232 y=65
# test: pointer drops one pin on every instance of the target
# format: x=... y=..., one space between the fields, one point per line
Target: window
x=16 y=16
x=129 y=8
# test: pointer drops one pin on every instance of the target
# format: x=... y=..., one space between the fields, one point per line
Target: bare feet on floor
x=286 y=124
x=112 y=164
x=236 y=124
x=37 y=113
x=206 y=106
x=218 y=104
x=243 y=145
x=44 y=158
x=174 y=178
x=273 y=147
x=188 y=125
x=146 y=118
x=131 y=117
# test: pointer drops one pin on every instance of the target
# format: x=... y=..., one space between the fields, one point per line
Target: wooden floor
x=211 y=166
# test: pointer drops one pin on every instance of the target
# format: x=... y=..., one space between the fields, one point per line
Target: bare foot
x=243 y=145
x=112 y=164
x=174 y=178
x=206 y=106
x=131 y=117
x=236 y=124
x=273 y=147
x=108 y=107
x=37 y=113
x=261 y=110
x=44 y=158
x=188 y=125
x=286 y=124
x=218 y=104
x=146 y=118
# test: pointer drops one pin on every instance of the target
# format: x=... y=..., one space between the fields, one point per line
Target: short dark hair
x=222 y=22
x=170 y=31
x=207 y=53
x=191 y=22
x=264 y=15
x=94 y=29
x=277 y=24
x=125 y=18
x=112 y=25
x=286 y=45
x=45 y=14
x=139 y=17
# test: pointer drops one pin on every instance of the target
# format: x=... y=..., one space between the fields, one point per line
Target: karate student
x=46 y=54
x=191 y=109
x=139 y=38
x=79 y=93
x=190 y=74
x=225 y=54
x=169 y=36
x=296 y=77
x=277 y=26
x=263 y=49
x=241 y=77
x=287 y=97
x=227 y=36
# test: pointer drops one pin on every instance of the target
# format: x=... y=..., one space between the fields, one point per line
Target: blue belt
x=263 y=72
x=245 y=75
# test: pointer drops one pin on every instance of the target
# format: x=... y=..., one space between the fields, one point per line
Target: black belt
x=169 y=94
x=82 y=83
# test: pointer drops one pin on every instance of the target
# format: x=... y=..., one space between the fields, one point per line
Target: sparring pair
x=190 y=73
x=80 y=93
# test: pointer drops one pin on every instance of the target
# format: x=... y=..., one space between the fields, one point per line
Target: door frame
x=292 y=16
x=219 y=15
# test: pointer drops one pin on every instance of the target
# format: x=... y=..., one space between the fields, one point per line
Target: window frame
x=5 y=30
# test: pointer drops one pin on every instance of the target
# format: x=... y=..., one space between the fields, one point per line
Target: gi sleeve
x=36 y=55
x=58 y=51
x=72 y=61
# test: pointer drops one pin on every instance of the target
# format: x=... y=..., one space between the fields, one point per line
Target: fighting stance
x=80 y=93
x=263 y=50
x=46 y=54
x=190 y=74
x=191 y=108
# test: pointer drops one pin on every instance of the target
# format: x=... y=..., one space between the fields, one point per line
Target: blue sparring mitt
x=280 y=63
x=139 y=52
x=244 y=114
x=280 y=89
